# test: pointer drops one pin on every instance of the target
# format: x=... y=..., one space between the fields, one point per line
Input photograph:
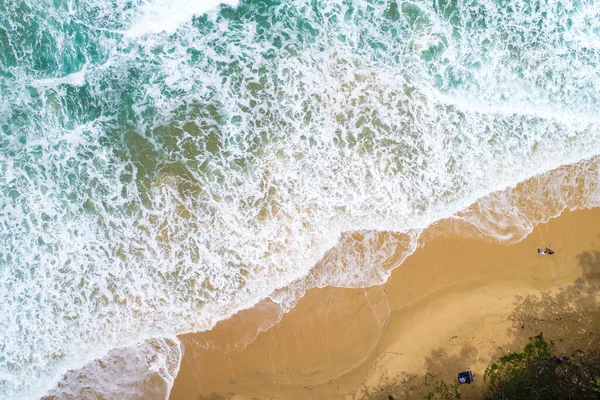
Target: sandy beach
x=459 y=302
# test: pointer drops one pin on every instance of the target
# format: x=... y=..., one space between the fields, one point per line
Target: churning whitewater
x=164 y=163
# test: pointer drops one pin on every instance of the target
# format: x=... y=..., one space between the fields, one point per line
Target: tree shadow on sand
x=442 y=364
x=569 y=317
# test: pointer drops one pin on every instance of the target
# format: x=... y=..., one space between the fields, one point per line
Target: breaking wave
x=164 y=164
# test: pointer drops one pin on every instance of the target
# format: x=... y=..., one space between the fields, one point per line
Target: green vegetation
x=536 y=373
x=444 y=391
x=531 y=374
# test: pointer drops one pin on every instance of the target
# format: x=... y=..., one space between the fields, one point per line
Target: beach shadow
x=590 y=262
x=568 y=317
x=442 y=364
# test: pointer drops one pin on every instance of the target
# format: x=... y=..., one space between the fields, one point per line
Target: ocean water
x=165 y=163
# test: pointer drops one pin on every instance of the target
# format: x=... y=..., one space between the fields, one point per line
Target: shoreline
x=345 y=343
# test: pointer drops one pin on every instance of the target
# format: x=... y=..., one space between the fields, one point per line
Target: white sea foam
x=74 y=79
x=167 y=15
x=183 y=177
x=146 y=371
x=511 y=215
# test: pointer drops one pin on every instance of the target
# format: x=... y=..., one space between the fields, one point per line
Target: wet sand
x=457 y=303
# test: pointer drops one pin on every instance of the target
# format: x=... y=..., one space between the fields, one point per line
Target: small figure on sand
x=547 y=251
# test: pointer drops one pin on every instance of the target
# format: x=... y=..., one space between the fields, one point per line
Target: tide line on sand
x=458 y=302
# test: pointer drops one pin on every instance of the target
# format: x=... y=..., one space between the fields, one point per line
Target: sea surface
x=166 y=163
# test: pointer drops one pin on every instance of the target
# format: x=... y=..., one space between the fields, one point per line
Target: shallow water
x=161 y=169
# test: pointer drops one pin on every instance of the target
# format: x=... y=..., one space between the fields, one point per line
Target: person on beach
x=547 y=251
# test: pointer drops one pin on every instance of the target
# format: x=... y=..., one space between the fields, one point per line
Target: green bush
x=535 y=374
x=528 y=375
x=443 y=391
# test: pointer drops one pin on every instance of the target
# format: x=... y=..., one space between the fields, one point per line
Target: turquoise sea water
x=162 y=167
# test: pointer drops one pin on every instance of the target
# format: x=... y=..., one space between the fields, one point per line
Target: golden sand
x=457 y=303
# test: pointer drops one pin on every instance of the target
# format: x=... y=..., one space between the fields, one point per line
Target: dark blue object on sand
x=465 y=377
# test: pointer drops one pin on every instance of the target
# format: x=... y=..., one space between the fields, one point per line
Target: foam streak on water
x=161 y=170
